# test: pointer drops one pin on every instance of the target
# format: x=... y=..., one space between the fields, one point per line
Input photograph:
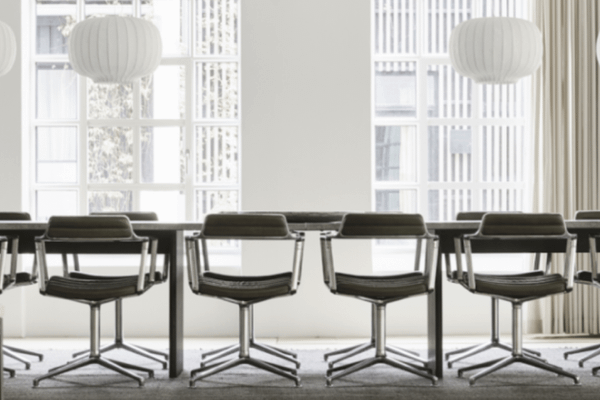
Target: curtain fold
x=565 y=117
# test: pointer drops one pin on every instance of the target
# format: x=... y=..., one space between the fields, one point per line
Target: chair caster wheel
x=329 y=382
x=449 y=365
x=580 y=364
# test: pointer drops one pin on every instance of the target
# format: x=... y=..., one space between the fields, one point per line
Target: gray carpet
x=380 y=382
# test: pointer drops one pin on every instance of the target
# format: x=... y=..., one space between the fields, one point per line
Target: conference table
x=170 y=237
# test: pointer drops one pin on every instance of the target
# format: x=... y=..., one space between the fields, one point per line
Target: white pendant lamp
x=496 y=50
x=115 y=49
x=8 y=48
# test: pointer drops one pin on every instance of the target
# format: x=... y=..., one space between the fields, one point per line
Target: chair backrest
x=470 y=215
x=382 y=225
x=522 y=224
x=89 y=227
x=132 y=215
x=591 y=214
x=245 y=226
x=14 y=216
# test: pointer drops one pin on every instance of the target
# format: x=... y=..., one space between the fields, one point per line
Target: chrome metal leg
x=476 y=350
x=11 y=354
x=400 y=350
x=357 y=350
x=139 y=351
x=528 y=351
x=228 y=351
x=549 y=367
x=354 y=368
x=275 y=370
x=211 y=370
x=40 y=356
x=495 y=367
x=458 y=351
x=412 y=370
x=588 y=357
x=275 y=353
x=276 y=348
x=485 y=364
x=215 y=351
x=63 y=369
x=122 y=364
x=581 y=350
x=404 y=353
x=118 y=368
x=342 y=351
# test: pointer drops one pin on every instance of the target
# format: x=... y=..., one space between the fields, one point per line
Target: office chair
x=95 y=235
x=494 y=341
x=517 y=233
x=588 y=278
x=119 y=342
x=14 y=280
x=245 y=291
x=381 y=290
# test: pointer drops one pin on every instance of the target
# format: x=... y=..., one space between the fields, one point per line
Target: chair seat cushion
x=381 y=287
x=94 y=289
x=83 y=275
x=536 y=272
x=521 y=286
x=585 y=277
x=245 y=288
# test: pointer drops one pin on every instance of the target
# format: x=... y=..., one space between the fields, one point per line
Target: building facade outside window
x=441 y=143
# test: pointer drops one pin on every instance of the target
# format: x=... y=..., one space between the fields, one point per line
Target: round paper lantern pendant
x=496 y=50
x=115 y=49
x=8 y=48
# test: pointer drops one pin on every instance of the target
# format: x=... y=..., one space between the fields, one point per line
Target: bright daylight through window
x=168 y=143
x=442 y=144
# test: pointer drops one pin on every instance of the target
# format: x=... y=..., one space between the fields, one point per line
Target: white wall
x=305 y=146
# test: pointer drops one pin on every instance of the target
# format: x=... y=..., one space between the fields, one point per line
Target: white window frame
x=189 y=187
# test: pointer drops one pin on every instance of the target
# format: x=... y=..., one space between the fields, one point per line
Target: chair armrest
x=433 y=247
x=191 y=251
x=3 y=255
x=327 y=261
x=298 y=258
x=570 y=258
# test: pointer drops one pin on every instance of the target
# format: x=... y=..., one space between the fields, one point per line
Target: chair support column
x=119 y=321
x=495 y=320
x=380 y=338
x=245 y=331
x=95 y=330
x=517 y=330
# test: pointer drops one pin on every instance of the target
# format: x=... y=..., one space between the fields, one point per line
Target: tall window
x=442 y=144
x=168 y=143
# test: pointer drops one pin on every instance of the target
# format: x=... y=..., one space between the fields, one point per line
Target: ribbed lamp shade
x=115 y=49
x=496 y=50
x=8 y=48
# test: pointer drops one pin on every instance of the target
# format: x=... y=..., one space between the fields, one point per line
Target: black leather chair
x=245 y=291
x=95 y=235
x=592 y=278
x=494 y=341
x=119 y=342
x=381 y=290
x=525 y=233
x=15 y=279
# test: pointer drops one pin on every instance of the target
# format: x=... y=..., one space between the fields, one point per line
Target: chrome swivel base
x=494 y=342
x=271 y=350
x=517 y=356
x=12 y=353
x=119 y=343
x=593 y=347
x=381 y=357
x=94 y=356
x=497 y=364
x=210 y=366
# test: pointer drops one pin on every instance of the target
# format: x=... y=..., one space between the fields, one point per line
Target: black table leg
x=176 y=305
x=434 y=324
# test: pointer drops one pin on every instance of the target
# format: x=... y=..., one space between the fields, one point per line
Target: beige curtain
x=566 y=126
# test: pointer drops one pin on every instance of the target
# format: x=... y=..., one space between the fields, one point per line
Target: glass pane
x=502 y=153
x=169 y=206
x=450 y=154
x=56 y=91
x=214 y=201
x=110 y=155
x=396 y=200
x=163 y=93
x=109 y=201
x=217 y=24
x=109 y=101
x=504 y=101
x=56 y=155
x=108 y=7
x=396 y=153
x=174 y=30
x=54 y=22
x=162 y=155
x=217 y=90
x=395 y=89
x=55 y=202
x=395 y=26
x=444 y=204
x=448 y=93
x=217 y=154
x=508 y=199
x=441 y=17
